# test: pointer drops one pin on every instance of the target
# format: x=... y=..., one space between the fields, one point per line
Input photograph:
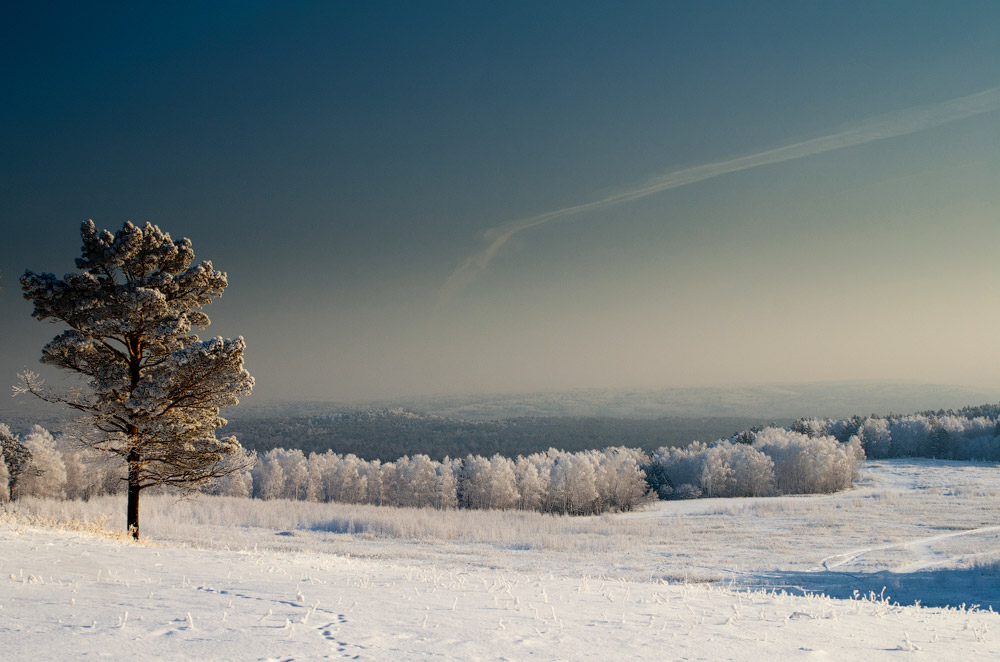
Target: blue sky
x=342 y=160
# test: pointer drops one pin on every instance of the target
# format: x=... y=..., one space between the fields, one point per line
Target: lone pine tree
x=155 y=388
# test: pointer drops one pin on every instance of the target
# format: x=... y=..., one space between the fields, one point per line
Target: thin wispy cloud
x=889 y=125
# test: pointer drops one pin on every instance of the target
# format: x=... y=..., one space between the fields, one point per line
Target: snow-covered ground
x=706 y=579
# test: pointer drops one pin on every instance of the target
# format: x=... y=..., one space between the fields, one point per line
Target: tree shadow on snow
x=930 y=588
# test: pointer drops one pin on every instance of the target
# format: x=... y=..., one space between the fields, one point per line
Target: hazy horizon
x=450 y=198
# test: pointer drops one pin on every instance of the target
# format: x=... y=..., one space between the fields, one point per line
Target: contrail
x=880 y=127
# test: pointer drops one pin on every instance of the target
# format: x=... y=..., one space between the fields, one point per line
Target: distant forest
x=391 y=433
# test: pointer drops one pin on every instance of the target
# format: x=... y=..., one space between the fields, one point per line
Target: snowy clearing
x=234 y=579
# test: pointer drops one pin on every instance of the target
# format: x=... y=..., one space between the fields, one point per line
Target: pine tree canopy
x=155 y=388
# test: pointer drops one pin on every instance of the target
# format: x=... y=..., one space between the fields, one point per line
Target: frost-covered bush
x=532 y=483
x=811 y=427
x=237 y=484
x=45 y=474
x=446 y=484
x=268 y=476
x=416 y=481
x=61 y=466
x=15 y=457
x=723 y=469
x=572 y=484
x=375 y=487
x=621 y=482
x=985 y=447
x=910 y=436
x=335 y=477
x=844 y=429
x=295 y=471
x=875 y=436
x=487 y=483
x=89 y=474
x=675 y=473
x=809 y=465
x=737 y=470
x=779 y=461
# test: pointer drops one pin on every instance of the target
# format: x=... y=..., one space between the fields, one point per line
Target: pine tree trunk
x=134 y=464
x=132 y=509
x=132 y=518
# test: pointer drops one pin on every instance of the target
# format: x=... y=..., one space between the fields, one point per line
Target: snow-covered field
x=706 y=579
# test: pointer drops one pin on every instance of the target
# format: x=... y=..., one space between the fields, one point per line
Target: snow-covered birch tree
x=155 y=388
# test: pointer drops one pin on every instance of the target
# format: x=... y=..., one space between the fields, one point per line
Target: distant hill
x=514 y=424
x=821 y=399
x=388 y=434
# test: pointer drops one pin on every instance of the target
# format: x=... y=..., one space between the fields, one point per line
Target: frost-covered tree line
x=589 y=482
x=810 y=456
x=972 y=433
x=775 y=461
x=581 y=483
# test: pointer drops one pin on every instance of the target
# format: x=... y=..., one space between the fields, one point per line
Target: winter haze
x=430 y=199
